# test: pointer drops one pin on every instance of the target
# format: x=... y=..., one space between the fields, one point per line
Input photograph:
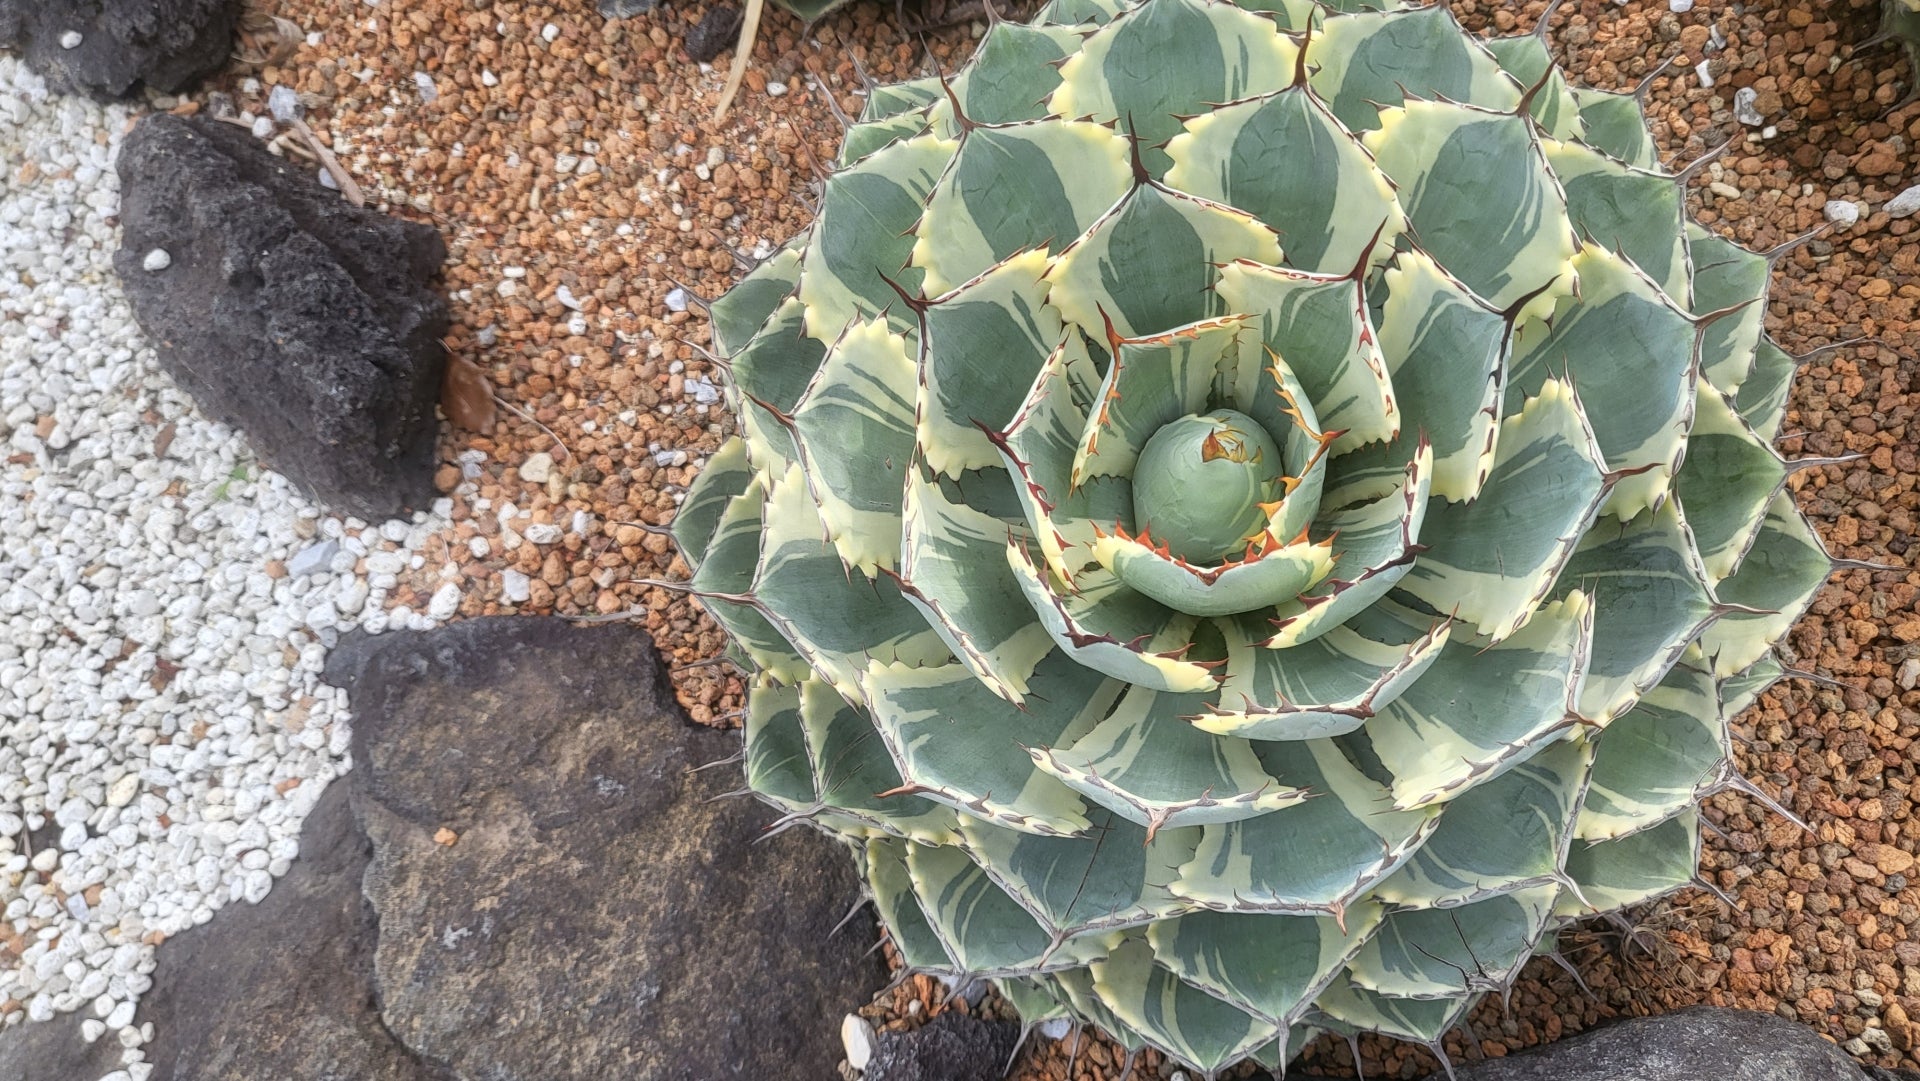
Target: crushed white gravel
x=165 y=609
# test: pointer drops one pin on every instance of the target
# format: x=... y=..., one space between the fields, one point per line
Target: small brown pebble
x=445 y=837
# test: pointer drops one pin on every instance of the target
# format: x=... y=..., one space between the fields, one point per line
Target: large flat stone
x=558 y=897
x=284 y=988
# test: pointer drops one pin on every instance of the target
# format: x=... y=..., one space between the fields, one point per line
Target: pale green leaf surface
x=724 y=584
x=1010 y=77
x=1630 y=354
x=1147 y=266
x=1111 y=877
x=1038 y=449
x=1452 y=953
x=725 y=475
x=981 y=347
x=1272 y=964
x=1374 y=545
x=958 y=742
x=1445 y=353
x=1319 y=325
x=893 y=895
x=1161 y=61
x=1729 y=477
x=865 y=236
x=1173 y=1015
x=1480 y=199
x=1285 y=159
x=778 y=767
x=1616 y=125
x=982 y=928
x=865 y=139
x=1320 y=856
x=1657 y=759
x=1149 y=382
x=769 y=375
x=1636 y=868
x=1779 y=576
x=894 y=99
x=1491 y=561
x=1726 y=275
x=1145 y=762
x=1635 y=212
x=1482 y=709
x=1347 y=1008
x=1264 y=577
x=838 y=620
x=1510 y=832
x=954 y=568
x=856 y=778
x=739 y=313
x=1554 y=107
x=1362 y=61
x=1650 y=600
x=1112 y=627
x=1005 y=192
x=1762 y=400
x=1323 y=687
x=854 y=426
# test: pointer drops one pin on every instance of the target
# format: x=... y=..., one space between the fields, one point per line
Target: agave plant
x=1249 y=520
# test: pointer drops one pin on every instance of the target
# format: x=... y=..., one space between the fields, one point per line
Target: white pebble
x=514 y=586
x=676 y=299
x=284 y=103
x=1680 y=6
x=152 y=654
x=445 y=602
x=1905 y=204
x=71 y=39
x=1842 y=213
x=856 y=1036
x=1054 y=1028
x=537 y=468
x=1700 y=69
x=543 y=533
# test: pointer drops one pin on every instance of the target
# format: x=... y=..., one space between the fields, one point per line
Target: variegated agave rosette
x=1248 y=520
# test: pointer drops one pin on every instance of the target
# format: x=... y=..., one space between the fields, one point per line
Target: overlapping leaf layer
x=1250 y=519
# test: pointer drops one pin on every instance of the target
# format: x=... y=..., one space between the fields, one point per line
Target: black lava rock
x=302 y=320
x=714 y=34
x=1694 y=1044
x=951 y=1047
x=110 y=48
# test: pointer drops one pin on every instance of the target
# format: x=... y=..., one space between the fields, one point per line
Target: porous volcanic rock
x=304 y=321
x=110 y=48
x=559 y=896
x=1687 y=1045
x=951 y=1047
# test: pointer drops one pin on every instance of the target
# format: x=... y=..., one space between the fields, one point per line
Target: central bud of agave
x=1165 y=535
x=1204 y=482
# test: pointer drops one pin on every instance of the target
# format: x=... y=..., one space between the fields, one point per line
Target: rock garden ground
x=587 y=202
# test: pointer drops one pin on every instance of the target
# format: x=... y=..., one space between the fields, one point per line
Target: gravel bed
x=166 y=605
